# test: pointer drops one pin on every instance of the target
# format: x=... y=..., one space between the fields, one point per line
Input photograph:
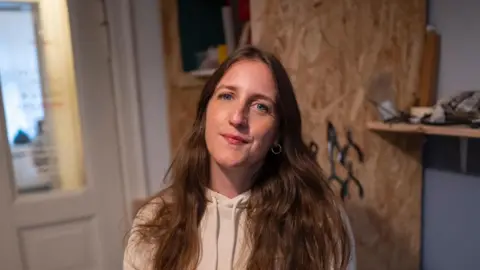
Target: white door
x=61 y=193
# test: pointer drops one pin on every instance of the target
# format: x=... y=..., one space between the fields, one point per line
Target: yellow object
x=222 y=53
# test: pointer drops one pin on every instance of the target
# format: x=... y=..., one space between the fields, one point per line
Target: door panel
x=75 y=240
x=52 y=207
x=61 y=193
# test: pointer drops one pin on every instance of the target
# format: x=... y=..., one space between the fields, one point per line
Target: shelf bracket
x=463 y=154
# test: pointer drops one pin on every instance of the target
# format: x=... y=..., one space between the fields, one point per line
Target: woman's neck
x=230 y=182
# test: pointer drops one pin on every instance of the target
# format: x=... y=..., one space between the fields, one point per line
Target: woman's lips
x=234 y=139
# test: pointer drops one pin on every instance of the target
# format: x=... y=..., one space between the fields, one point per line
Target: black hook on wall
x=333 y=145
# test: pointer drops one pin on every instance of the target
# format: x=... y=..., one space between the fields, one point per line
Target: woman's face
x=241 y=123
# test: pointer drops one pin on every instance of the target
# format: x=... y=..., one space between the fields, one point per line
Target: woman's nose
x=238 y=117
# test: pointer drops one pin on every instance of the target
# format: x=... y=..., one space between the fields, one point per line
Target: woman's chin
x=231 y=161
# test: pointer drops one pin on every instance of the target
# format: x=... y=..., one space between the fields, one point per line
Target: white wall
x=459 y=24
x=153 y=90
x=451 y=199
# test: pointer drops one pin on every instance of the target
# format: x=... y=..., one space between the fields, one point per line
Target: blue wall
x=451 y=203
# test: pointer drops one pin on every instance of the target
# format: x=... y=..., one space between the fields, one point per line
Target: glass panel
x=39 y=97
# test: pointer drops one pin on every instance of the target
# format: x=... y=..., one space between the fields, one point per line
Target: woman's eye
x=225 y=96
x=262 y=107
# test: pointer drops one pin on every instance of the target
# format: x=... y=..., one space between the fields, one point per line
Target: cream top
x=221 y=232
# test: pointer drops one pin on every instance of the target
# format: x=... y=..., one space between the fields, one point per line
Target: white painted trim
x=25 y=1
x=127 y=101
x=152 y=80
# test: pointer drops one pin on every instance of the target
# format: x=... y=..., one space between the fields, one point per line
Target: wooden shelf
x=454 y=131
x=203 y=73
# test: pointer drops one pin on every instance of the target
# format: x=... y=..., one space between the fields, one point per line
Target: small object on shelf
x=210 y=61
x=382 y=94
x=222 y=53
x=420 y=112
x=460 y=109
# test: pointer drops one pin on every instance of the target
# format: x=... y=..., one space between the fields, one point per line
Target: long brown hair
x=293 y=218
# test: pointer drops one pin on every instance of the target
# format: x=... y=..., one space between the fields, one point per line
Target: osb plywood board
x=332 y=49
x=183 y=90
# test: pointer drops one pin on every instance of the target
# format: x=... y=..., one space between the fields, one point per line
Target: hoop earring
x=276 y=149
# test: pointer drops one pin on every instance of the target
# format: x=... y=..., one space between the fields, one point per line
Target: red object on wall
x=244 y=10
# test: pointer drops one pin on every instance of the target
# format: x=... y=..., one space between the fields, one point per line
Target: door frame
x=138 y=144
x=124 y=111
x=142 y=147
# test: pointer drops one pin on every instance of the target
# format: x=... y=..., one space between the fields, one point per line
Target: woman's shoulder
x=139 y=251
x=151 y=206
x=352 y=264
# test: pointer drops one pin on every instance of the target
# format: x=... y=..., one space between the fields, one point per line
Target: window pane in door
x=39 y=97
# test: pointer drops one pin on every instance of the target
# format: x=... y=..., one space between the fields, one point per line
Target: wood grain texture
x=332 y=49
x=429 y=69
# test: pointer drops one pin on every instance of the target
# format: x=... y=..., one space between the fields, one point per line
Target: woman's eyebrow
x=235 y=88
x=227 y=86
x=262 y=96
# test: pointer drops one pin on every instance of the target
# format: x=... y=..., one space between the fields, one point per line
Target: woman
x=245 y=192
